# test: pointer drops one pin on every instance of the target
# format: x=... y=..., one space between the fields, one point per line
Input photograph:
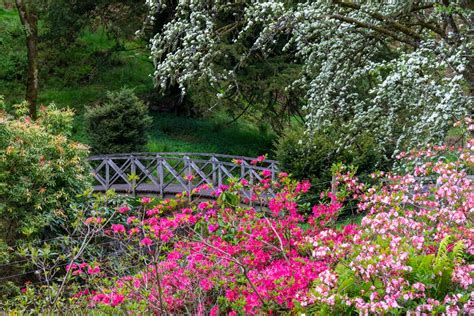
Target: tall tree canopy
x=403 y=69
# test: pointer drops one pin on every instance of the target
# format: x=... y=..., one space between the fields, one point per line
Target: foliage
x=170 y=133
x=119 y=125
x=312 y=158
x=259 y=96
x=49 y=255
x=42 y=171
x=13 y=59
x=71 y=74
x=247 y=253
x=402 y=71
x=64 y=20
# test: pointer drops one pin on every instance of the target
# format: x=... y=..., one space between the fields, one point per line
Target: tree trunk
x=29 y=19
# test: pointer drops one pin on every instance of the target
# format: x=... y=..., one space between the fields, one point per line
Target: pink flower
x=131 y=219
x=244 y=182
x=145 y=200
x=123 y=209
x=93 y=270
x=205 y=284
x=93 y=220
x=77 y=272
x=261 y=158
x=146 y=242
x=118 y=228
x=266 y=173
x=116 y=299
x=350 y=229
x=136 y=283
x=231 y=295
x=237 y=161
x=213 y=227
x=83 y=265
x=214 y=311
x=152 y=212
x=203 y=205
x=71 y=266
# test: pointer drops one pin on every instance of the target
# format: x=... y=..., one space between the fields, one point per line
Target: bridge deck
x=146 y=188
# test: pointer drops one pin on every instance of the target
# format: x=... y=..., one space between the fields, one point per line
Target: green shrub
x=312 y=158
x=41 y=171
x=119 y=125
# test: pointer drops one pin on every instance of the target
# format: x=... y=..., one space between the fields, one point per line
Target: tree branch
x=376 y=28
x=382 y=18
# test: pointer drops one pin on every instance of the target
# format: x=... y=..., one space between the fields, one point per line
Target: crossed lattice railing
x=171 y=173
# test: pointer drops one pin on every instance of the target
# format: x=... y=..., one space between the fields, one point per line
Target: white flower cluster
x=364 y=69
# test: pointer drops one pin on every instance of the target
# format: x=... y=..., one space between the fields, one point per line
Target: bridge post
x=214 y=170
x=107 y=174
x=187 y=167
x=272 y=168
x=133 y=168
x=159 y=172
x=219 y=174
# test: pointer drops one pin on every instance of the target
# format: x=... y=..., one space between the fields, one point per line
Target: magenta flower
x=213 y=227
x=118 y=228
x=131 y=219
x=124 y=209
x=237 y=161
x=261 y=158
x=116 y=299
x=203 y=205
x=214 y=311
x=71 y=266
x=93 y=270
x=145 y=200
x=266 y=173
x=146 y=242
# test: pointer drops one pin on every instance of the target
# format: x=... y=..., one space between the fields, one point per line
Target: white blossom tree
x=403 y=70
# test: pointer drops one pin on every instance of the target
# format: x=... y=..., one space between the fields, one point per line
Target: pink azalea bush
x=413 y=251
x=221 y=255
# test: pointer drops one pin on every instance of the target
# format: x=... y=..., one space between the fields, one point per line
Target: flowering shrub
x=216 y=255
x=364 y=66
x=41 y=170
x=412 y=252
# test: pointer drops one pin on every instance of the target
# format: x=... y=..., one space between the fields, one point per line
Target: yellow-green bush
x=41 y=171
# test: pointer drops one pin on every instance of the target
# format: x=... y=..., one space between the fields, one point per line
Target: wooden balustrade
x=171 y=173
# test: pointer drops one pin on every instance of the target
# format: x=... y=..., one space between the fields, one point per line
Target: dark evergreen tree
x=118 y=125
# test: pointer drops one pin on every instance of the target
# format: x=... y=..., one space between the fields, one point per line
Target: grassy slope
x=171 y=133
x=85 y=78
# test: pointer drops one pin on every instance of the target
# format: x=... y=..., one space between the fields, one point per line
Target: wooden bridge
x=171 y=173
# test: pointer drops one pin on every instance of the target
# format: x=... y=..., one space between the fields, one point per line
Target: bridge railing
x=171 y=173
